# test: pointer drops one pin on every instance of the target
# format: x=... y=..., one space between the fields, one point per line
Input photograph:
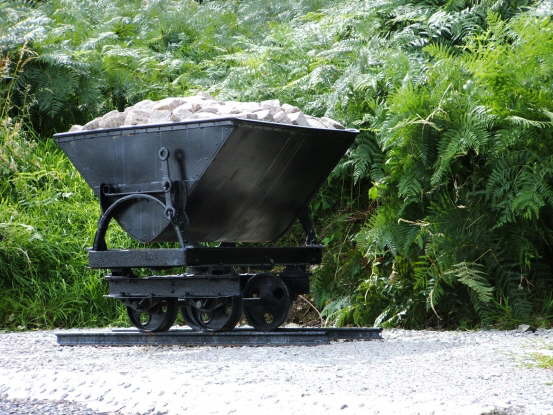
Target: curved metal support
x=109 y=213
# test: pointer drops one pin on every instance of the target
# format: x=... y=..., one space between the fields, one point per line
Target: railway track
x=236 y=337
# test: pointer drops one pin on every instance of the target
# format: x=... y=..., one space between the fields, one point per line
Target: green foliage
x=45 y=209
x=544 y=361
x=468 y=170
x=438 y=215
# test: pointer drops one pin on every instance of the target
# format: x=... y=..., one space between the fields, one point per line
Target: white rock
x=112 y=119
x=204 y=106
x=109 y=114
x=204 y=115
x=314 y=122
x=137 y=117
x=270 y=103
x=290 y=108
x=92 y=125
x=526 y=328
x=191 y=106
x=157 y=117
x=229 y=108
x=248 y=106
x=75 y=128
x=272 y=110
x=264 y=115
x=169 y=103
x=249 y=115
x=298 y=118
x=330 y=123
x=213 y=108
x=281 y=117
x=181 y=114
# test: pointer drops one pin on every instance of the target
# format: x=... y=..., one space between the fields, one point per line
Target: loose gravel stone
x=45 y=407
x=205 y=107
x=409 y=372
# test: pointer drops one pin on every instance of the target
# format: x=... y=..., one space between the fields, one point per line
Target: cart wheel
x=189 y=318
x=271 y=310
x=213 y=314
x=159 y=315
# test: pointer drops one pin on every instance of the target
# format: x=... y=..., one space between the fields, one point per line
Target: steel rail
x=236 y=337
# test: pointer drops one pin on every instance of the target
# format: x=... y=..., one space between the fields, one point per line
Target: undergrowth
x=542 y=360
x=439 y=215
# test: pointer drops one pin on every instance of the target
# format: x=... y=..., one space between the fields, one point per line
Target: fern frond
x=526 y=123
x=471 y=275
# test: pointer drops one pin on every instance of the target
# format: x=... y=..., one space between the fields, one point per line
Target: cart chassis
x=211 y=271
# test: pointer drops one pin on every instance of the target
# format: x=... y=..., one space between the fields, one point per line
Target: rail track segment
x=236 y=337
x=211 y=198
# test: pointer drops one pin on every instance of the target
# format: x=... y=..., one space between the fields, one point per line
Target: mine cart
x=209 y=198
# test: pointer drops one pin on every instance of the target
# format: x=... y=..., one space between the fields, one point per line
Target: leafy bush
x=439 y=214
x=466 y=191
x=45 y=209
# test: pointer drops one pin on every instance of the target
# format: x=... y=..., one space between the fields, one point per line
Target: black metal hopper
x=227 y=180
x=238 y=180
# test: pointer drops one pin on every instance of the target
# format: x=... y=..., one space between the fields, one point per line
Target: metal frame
x=186 y=255
x=204 y=256
x=178 y=286
x=232 y=180
x=214 y=276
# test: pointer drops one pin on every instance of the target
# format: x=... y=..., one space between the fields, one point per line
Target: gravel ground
x=409 y=372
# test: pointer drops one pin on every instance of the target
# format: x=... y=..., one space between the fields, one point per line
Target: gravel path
x=410 y=372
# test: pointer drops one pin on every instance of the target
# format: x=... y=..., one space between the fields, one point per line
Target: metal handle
x=109 y=213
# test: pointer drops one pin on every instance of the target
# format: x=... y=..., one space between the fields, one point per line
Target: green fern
x=440 y=212
x=473 y=277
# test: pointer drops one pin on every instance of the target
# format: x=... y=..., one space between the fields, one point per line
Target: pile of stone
x=205 y=107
